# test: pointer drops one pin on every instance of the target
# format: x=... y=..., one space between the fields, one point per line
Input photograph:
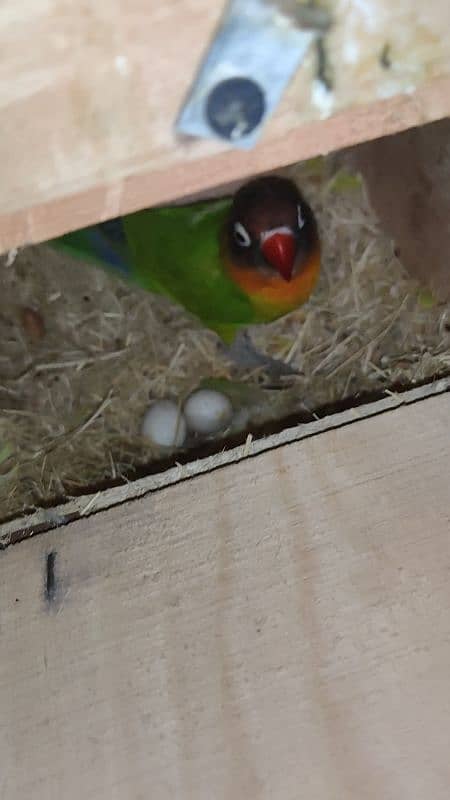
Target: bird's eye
x=300 y=217
x=241 y=236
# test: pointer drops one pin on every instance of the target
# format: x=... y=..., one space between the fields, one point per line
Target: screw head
x=235 y=107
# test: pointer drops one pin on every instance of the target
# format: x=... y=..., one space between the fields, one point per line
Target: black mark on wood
x=323 y=69
x=50 y=578
x=385 y=56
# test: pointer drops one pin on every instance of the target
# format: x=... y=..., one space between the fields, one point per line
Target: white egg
x=164 y=424
x=208 y=411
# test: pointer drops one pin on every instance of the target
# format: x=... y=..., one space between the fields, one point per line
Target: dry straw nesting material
x=73 y=398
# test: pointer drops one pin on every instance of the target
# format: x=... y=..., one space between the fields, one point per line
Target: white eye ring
x=241 y=236
x=300 y=218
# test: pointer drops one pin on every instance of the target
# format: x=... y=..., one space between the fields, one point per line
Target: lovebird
x=231 y=262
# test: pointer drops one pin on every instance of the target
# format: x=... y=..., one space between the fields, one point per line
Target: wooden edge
x=45 y=519
x=197 y=175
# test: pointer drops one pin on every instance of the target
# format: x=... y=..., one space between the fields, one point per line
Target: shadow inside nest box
x=213 y=447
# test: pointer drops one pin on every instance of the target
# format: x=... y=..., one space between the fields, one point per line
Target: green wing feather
x=176 y=252
x=173 y=251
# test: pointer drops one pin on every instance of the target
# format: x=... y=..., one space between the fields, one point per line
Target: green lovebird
x=232 y=262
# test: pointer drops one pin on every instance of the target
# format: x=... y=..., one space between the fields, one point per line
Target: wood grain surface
x=278 y=628
x=408 y=181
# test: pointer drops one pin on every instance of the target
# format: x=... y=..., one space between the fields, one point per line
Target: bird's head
x=271 y=228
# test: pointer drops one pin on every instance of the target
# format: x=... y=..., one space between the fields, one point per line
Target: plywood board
x=408 y=182
x=278 y=628
x=89 y=94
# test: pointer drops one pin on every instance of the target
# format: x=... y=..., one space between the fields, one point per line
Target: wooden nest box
x=273 y=621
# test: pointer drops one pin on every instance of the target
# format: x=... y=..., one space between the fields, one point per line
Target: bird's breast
x=272 y=296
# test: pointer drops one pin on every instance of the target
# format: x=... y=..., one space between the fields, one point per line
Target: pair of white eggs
x=205 y=412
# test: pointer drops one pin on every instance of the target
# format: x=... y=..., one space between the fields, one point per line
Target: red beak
x=279 y=250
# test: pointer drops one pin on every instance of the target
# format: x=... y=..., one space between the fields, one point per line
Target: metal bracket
x=258 y=47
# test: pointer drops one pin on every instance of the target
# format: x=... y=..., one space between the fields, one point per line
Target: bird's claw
x=244 y=355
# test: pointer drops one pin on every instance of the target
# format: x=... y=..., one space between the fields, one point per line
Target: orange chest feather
x=273 y=296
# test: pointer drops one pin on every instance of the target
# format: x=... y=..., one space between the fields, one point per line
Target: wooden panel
x=274 y=629
x=89 y=93
x=408 y=182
